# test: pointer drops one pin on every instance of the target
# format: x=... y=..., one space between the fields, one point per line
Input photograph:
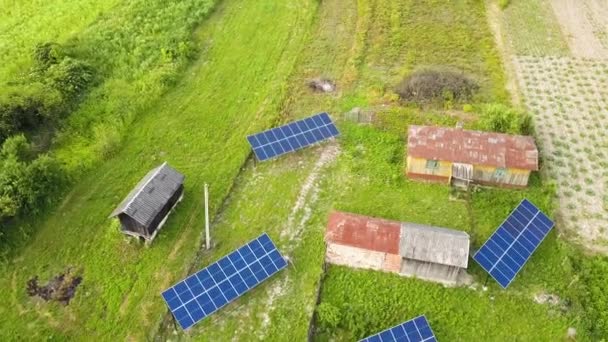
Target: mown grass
x=235 y=87
x=532 y=29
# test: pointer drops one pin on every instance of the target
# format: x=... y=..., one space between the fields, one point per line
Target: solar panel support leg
x=207 y=238
x=485 y=283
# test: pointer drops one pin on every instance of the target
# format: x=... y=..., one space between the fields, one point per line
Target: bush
x=24 y=108
x=26 y=183
x=436 y=84
x=47 y=54
x=503 y=4
x=497 y=117
x=70 y=76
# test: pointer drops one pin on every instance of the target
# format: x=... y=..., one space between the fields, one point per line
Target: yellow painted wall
x=482 y=173
x=418 y=165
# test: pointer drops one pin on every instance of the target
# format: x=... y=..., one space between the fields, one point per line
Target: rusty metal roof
x=472 y=147
x=363 y=232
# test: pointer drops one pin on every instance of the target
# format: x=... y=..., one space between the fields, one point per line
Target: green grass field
x=211 y=111
x=249 y=65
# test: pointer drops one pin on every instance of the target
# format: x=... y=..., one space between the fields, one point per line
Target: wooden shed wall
x=132 y=227
x=418 y=166
x=513 y=177
x=430 y=271
x=481 y=174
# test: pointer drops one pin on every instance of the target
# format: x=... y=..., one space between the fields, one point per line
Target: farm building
x=426 y=252
x=461 y=157
x=146 y=208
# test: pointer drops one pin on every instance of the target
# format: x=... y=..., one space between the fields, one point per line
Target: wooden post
x=207 y=243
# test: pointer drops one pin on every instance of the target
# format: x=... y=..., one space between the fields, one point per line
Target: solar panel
x=414 y=330
x=512 y=244
x=293 y=136
x=222 y=282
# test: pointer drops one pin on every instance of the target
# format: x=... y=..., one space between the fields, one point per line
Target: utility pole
x=207 y=243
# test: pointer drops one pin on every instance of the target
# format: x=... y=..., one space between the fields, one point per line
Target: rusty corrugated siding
x=363 y=232
x=473 y=147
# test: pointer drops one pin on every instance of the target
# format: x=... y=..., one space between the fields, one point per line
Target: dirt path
x=493 y=13
x=584 y=23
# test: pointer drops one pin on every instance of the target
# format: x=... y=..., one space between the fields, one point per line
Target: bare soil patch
x=585 y=26
x=60 y=288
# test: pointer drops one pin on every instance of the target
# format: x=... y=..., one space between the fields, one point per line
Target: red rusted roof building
x=454 y=154
x=427 y=252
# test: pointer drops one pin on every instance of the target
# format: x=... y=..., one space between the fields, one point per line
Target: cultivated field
x=569 y=98
x=244 y=66
x=564 y=82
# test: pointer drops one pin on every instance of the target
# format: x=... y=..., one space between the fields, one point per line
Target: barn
x=146 y=208
x=462 y=157
x=410 y=249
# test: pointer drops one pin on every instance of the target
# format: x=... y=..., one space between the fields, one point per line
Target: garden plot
x=569 y=99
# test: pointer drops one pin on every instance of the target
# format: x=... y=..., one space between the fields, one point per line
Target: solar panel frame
x=416 y=329
x=515 y=241
x=293 y=136
x=203 y=293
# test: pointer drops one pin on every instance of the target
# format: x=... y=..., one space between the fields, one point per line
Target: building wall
x=131 y=227
x=509 y=177
x=485 y=175
x=417 y=169
x=430 y=271
x=362 y=258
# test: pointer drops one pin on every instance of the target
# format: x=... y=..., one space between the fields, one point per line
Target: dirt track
x=585 y=25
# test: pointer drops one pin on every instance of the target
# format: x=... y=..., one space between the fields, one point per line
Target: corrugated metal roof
x=473 y=147
x=363 y=232
x=434 y=244
x=410 y=240
x=147 y=199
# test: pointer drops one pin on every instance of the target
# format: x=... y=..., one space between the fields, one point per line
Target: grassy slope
x=55 y=20
x=234 y=88
x=265 y=196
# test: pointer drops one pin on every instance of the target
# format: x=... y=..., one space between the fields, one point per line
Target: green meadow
x=185 y=82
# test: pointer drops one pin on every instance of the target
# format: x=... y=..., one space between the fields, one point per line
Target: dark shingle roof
x=147 y=199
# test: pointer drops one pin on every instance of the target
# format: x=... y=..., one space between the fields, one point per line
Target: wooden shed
x=146 y=208
x=460 y=157
x=410 y=249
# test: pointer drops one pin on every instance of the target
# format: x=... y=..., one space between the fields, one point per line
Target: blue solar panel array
x=208 y=290
x=414 y=330
x=512 y=244
x=293 y=136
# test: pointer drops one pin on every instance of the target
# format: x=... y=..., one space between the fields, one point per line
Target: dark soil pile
x=60 y=288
